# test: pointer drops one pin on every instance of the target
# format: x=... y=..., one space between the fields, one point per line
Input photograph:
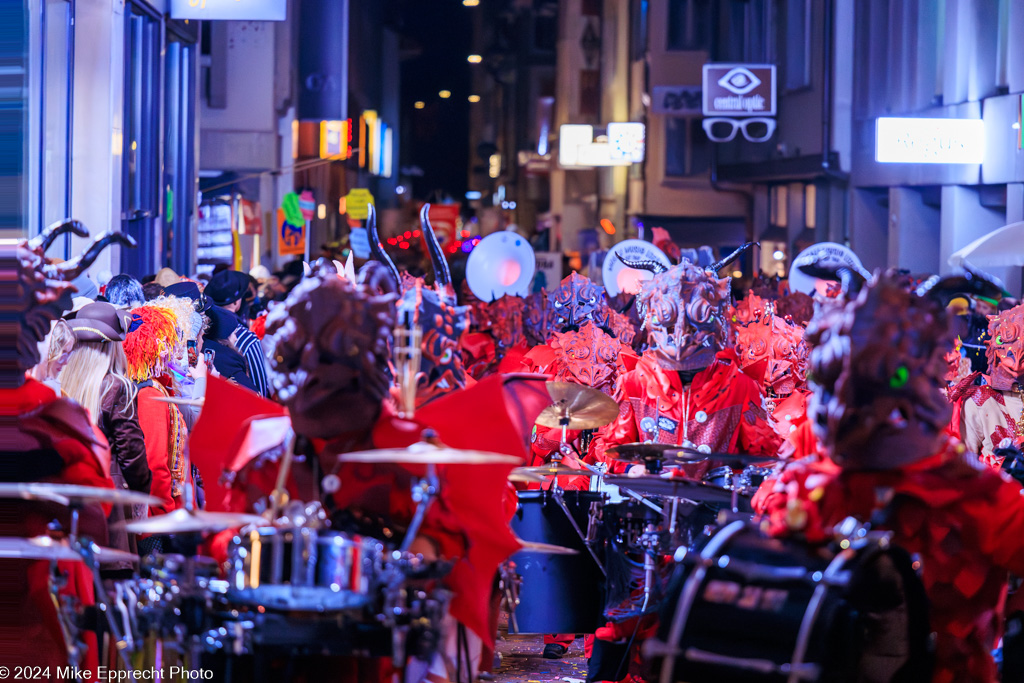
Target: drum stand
x=68 y=628
x=424 y=491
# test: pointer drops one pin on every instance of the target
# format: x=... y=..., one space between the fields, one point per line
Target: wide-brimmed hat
x=190 y=290
x=227 y=287
x=100 y=322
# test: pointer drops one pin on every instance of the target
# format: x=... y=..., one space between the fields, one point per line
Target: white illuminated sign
x=238 y=10
x=571 y=137
x=929 y=141
x=627 y=142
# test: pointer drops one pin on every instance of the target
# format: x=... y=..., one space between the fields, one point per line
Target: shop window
x=797 y=69
x=140 y=206
x=689 y=25
x=687 y=148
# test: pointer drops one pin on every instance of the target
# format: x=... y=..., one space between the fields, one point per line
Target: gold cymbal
x=189 y=522
x=543 y=471
x=46 y=548
x=520 y=477
x=582 y=407
x=65 y=494
x=179 y=401
x=545 y=548
x=427 y=454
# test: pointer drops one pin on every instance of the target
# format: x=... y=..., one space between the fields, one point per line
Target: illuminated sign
x=571 y=137
x=626 y=141
x=334 y=139
x=739 y=90
x=929 y=141
x=623 y=145
x=232 y=10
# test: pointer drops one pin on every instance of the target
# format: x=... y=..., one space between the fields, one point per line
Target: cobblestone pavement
x=521 y=662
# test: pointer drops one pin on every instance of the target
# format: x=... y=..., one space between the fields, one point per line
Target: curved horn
x=69 y=270
x=851 y=279
x=442 y=276
x=715 y=267
x=376 y=275
x=376 y=249
x=54 y=230
x=650 y=265
x=963 y=281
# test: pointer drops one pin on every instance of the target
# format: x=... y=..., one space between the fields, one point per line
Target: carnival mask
x=576 y=301
x=538 y=318
x=587 y=356
x=443 y=325
x=503 y=319
x=772 y=351
x=1005 y=353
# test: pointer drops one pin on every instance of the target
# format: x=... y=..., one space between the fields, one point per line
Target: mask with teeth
x=576 y=301
x=1005 y=352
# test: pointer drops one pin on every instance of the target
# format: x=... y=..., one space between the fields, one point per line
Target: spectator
x=152 y=290
x=124 y=291
x=230 y=291
x=221 y=338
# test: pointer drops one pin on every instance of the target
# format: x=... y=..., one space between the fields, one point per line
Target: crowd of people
x=880 y=393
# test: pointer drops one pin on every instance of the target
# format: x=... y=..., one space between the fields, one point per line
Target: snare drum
x=559 y=593
x=303 y=569
x=747 y=607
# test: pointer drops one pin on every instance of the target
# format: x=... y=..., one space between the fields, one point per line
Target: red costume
x=879 y=377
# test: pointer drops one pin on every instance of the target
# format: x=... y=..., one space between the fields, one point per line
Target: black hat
x=222 y=323
x=100 y=322
x=227 y=287
x=190 y=290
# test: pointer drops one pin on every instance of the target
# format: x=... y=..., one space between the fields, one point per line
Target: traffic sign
x=356 y=201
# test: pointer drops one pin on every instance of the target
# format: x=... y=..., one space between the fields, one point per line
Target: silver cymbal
x=672 y=487
x=584 y=407
x=46 y=548
x=519 y=476
x=179 y=401
x=197 y=521
x=65 y=494
x=427 y=454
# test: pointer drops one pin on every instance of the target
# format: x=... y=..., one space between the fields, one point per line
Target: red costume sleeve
x=154 y=418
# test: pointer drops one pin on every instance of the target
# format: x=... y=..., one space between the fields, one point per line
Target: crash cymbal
x=66 y=494
x=46 y=548
x=179 y=401
x=545 y=548
x=526 y=477
x=638 y=452
x=672 y=487
x=551 y=471
x=185 y=522
x=584 y=407
x=428 y=454
x=730 y=459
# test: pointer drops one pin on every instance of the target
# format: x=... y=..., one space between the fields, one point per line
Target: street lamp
x=445 y=94
x=474 y=59
x=474 y=98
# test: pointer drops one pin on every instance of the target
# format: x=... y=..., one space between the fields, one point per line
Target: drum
x=303 y=570
x=559 y=593
x=746 y=607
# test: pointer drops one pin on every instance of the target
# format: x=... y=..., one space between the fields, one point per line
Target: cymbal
x=585 y=408
x=638 y=452
x=526 y=477
x=185 y=522
x=427 y=454
x=46 y=548
x=673 y=487
x=179 y=401
x=730 y=459
x=545 y=548
x=65 y=494
x=543 y=471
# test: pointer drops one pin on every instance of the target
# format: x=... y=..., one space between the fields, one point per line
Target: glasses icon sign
x=755 y=129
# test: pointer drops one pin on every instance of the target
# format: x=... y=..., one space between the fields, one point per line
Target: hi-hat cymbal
x=583 y=407
x=545 y=548
x=672 y=487
x=638 y=452
x=46 y=548
x=427 y=454
x=66 y=494
x=179 y=401
x=197 y=521
x=552 y=471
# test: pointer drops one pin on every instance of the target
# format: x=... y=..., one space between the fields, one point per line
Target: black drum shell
x=559 y=593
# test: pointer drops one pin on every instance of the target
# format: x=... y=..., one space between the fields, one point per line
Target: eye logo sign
x=739 y=81
x=739 y=90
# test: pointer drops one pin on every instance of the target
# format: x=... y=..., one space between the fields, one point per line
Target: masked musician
x=878 y=375
x=46 y=439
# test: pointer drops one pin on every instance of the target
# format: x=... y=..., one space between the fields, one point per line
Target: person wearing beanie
x=218 y=338
x=229 y=291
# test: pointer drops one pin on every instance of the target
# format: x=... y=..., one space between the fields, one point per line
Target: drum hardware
x=509 y=583
x=673 y=487
x=424 y=491
x=184 y=521
x=423 y=453
x=556 y=493
x=279 y=496
x=408 y=357
x=577 y=407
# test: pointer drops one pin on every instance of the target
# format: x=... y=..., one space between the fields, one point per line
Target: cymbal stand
x=424 y=491
x=87 y=550
x=68 y=628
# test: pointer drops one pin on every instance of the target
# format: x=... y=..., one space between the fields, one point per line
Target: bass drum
x=747 y=607
x=559 y=593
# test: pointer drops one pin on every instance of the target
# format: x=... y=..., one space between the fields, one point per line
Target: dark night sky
x=436 y=138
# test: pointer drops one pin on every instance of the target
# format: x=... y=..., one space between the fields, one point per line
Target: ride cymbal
x=427 y=454
x=189 y=522
x=579 y=407
x=673 y=487
x=65 y=494
x=179 y=401
x=543 y=471
x=46 y=548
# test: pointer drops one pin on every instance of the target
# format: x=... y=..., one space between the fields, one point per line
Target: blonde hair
x=93 y=370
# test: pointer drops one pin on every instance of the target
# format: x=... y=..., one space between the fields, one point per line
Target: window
x=689 y=25
x=140 y=205
x=797 y=68
x=179 y=152
x=638 y=45
x=745 y=32
x=687 y=148
x=14 y=107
